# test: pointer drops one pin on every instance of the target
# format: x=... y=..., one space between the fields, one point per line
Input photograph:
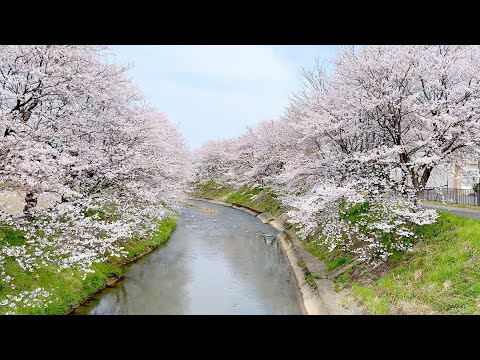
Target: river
x=219 y=260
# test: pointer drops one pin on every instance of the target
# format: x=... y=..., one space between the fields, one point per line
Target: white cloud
x=215 y=90
x=219 y=62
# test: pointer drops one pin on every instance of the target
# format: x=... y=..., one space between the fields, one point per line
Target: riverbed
x=219 y=260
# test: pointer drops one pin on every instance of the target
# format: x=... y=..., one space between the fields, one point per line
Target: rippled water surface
x=218 y=261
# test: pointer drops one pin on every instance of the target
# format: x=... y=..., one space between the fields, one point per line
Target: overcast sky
x=216 y=91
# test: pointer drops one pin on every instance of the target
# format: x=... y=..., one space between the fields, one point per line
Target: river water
x=219 y=260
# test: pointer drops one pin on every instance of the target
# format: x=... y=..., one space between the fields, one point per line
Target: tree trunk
x=30 y=201
x=419 y=181
x=425 y=176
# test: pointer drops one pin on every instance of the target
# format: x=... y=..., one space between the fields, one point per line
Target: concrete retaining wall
x=12 y=202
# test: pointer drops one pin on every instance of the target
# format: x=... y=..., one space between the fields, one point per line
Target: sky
x=215 y=91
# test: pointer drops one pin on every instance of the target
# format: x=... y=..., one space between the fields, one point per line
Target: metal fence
x=449 y=195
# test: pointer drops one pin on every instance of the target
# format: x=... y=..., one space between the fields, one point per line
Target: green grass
x=66 y=286
x=10 y=236
x=463 y=206
x=136 y=247
x=375 y=305
x=355 y=212
x=336 y=263
x=333 y=259
x=260 y=199
x=441 y=275
x=108 y=213
x=211 y=190
x=312 y=277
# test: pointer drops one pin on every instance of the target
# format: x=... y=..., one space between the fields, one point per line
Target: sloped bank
x=66 y=287
x=318 y=295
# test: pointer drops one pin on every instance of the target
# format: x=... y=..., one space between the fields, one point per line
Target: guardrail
x=449 y=195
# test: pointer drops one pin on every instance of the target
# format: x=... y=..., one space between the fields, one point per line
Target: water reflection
x=227 y=263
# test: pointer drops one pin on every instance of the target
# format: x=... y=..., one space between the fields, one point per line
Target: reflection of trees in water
x=154 y=284
x=263 y=265
x=157 y=283
x=260 y=262
x=122 y=300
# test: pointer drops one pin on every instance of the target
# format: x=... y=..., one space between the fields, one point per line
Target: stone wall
x=12 y=201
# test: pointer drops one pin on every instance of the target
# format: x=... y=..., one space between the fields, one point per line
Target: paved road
x=473 y=214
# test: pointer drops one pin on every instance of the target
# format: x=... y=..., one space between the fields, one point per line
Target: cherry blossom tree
x=264 y=151
x=212 y=160
x=417 y=103
x=47 y=92
x=373 y=130
x=254 y=158
x=74 y=125
x=361 y=139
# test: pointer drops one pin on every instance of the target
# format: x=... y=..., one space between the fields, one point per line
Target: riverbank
x=66 y=288
x=440 y=275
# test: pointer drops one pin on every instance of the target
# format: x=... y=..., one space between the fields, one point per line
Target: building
x=459 y=178
x=456 y=186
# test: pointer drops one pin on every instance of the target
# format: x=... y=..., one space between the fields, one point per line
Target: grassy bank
x=441 y=275
x=66 y=286
x=258 y=198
